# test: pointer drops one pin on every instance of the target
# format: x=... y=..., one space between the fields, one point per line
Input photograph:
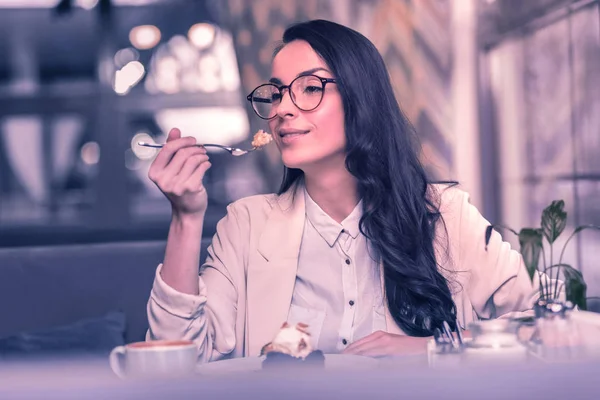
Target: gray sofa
x=88 y=297
x=44 y=288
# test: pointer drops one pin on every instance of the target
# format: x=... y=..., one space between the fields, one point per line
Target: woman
x=357 y=244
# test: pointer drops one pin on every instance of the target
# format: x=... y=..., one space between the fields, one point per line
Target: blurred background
x=503 y=93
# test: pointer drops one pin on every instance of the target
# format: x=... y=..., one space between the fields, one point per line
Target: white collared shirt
x=338 y=288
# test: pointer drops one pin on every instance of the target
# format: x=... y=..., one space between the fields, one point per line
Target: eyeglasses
x=306 y=92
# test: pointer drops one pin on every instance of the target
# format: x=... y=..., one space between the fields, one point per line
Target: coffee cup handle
x=116 y=358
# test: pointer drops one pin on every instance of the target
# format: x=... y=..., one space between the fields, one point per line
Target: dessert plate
x=333 y=362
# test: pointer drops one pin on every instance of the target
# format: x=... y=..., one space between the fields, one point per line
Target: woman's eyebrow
x=277 y=81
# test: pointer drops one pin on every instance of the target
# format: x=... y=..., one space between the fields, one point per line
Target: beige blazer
x=247 y=281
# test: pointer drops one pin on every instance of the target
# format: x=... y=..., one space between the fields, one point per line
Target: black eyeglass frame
x=324 y=82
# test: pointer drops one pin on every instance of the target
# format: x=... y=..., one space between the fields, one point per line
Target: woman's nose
x=286 y=106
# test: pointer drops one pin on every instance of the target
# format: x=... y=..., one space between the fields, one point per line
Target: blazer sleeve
x=498 y=282
x=208 y=318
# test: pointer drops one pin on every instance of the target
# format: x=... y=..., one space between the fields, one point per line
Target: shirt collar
x=327 y=227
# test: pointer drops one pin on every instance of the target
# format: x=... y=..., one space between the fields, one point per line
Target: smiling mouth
x=289 y=134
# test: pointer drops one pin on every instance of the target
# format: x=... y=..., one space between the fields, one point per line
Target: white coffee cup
x=154 y=358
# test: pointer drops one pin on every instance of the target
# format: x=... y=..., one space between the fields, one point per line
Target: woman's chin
x=298 y=161
x=294 y=162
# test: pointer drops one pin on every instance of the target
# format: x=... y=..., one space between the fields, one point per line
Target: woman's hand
x=178 y=171
x=381 y=344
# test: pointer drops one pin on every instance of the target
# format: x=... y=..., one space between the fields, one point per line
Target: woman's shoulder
x=247 y=214
x=254 y=205
x=262 y=204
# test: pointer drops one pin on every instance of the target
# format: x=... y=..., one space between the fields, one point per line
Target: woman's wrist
x=187 y=222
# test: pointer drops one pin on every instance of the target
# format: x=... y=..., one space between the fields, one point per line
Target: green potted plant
x=531 y=242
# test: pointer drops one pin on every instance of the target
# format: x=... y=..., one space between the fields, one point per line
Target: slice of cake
x=261 y=138
x=292 y=347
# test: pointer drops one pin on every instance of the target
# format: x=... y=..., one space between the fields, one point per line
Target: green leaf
x=554 y=220
x=575 y=286
x=530 y=241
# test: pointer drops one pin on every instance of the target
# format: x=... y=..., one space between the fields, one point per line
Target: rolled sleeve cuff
x=179 y=304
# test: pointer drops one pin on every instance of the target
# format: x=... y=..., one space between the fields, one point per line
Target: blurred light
x=209 y=83
x=27 y=3
x=87 y=4
x=168 y=65
x=166 y=75
x=209 y=64
x=228 y=66
x=52 y=3
x=183 y=51
x=125 y=56
x=128 y=76
x=141 y=152
x=190 y=82
x=90 y=153
x=134 y=2
x=223 y=125
x=144 y=37
x=150 y=86
x=202 y=35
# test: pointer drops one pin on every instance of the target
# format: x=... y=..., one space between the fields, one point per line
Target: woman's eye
x=313 y=89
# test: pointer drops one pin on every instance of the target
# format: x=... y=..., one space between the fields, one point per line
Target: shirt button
x=344 y=342
x=348 y=261
x=351 y=302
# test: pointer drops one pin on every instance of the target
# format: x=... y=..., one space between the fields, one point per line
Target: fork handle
x=160 y=146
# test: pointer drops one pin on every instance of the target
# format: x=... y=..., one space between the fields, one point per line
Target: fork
x=234 y=151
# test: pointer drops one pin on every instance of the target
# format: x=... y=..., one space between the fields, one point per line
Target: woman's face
x=307 y=139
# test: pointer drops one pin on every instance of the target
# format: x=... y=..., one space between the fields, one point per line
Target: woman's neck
x=335 y=192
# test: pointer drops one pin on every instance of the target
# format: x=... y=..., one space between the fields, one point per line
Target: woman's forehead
x=295 y=58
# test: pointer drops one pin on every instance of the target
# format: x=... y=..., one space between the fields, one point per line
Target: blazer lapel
x=272 y=273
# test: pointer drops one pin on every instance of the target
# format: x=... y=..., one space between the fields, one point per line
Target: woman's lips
x=290 y=136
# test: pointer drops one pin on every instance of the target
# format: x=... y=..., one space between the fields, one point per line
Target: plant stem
x=558 y=268
x=562 y=253
x=551 y=263
x=540 y=275
x=577 y=230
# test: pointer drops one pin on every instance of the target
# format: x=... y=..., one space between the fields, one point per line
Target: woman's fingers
x=194 y=182
x=189 y=167
x=181 y=158
x=174 y=134
x=178 y=170
x=174 y=144
x=166 y=176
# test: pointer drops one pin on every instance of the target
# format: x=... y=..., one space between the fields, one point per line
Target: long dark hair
x=400 y=214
